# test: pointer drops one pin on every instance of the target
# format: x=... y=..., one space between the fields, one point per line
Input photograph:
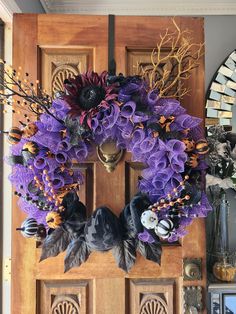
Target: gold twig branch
x=172 y=62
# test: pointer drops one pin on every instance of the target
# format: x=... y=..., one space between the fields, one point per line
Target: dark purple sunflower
x=88 y=93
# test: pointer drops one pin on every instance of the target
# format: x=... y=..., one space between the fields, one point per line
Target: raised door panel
x=58 y=64
x=152 y=296
x=65 y=297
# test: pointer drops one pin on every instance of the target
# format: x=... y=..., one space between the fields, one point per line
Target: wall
x=30 y=6
x=220 y=41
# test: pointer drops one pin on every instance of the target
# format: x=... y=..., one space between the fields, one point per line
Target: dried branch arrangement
x=168 y=71
x=22 y=95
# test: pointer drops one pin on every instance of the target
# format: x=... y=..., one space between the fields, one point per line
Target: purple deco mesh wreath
x=157 y=131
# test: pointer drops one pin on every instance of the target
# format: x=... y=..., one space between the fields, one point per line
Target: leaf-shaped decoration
x=75 y=129
x=125 y=254
x=130 y=216
x=55 y=243
x=151 y=251
x=77 y=253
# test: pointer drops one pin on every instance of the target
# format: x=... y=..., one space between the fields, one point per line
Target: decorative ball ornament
x=193 y=160
x=29 y=228
x=30 y=130
x=14 y=135
x=31 y=147
x=53 y=220
x=189 y=144
x=202 y=147
x=164 y=228
x=149 y=219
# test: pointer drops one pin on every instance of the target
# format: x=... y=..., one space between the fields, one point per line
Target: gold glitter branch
x=172 y=62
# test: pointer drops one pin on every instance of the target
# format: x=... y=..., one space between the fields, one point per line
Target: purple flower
x=64 y=145
x=128 y=109
x=147 y=144
x=50 y=123
x=81 y=151
x=127 y=130
x=110 y=116
x=174 y=150
x=169 y=107
x=185 y=121
x=61 y=157
x=138 y=136
x=139 y=116
x=159 y=181
x=146 y=237
x=132 y=87
x=60 y=107
x=52 y=164
x=40 y=162
x=153 y=97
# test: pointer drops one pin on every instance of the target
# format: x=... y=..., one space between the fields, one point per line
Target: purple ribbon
x=128 y=109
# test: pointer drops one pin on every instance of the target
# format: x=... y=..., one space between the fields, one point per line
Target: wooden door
x=50 y=47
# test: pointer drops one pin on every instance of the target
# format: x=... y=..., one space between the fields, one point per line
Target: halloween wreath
x=133 y=112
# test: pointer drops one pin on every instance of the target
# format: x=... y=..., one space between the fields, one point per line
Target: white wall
x=30 y=6
x=220 y=39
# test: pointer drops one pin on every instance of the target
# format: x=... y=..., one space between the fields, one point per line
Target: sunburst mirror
x=221 y=95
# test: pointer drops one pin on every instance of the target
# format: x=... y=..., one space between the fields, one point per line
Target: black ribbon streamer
x=111 y=45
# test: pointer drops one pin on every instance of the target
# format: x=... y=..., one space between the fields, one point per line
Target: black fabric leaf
x=55 y=243
x=127 y=224
x=75 y=129
x=74 y=215
x=151 y=251
x=125 y=254
x=73 y=207
x=76 y=254
x=130 y=216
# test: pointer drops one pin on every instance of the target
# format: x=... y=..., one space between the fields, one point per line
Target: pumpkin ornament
x=28 y=228
x=31 y=147
x=53 y=220
x=193 y=160
x=14 y=135
x=224 y=271
x=149 y=219
x=164 y=228
x=202 y=147
x=189 y=144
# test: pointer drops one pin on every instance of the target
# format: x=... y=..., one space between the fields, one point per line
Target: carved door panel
x=53 y=47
